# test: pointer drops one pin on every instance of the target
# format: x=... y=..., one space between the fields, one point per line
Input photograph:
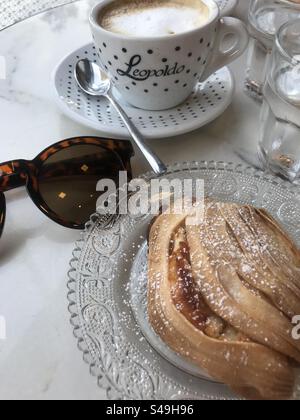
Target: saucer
x=208 y=101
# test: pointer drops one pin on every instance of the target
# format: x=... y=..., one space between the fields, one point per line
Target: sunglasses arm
x=2 y=212
x=13 y=174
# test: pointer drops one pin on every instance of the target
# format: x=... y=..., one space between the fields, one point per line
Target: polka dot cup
x=161 y=72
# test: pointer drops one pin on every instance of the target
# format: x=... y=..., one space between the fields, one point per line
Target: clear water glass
x=280 y=116
x=265 y=18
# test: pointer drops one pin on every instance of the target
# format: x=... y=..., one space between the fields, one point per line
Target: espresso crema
x=154 y=18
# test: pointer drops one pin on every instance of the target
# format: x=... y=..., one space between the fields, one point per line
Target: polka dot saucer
x=208 y=101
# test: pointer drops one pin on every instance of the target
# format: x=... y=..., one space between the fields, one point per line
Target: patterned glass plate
x=106 y=299
x=227 y=6
x=14 y=11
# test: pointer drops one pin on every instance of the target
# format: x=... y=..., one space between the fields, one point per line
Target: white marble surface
x=39 y=358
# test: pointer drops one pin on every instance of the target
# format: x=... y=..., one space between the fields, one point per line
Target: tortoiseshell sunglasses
x=61 y=180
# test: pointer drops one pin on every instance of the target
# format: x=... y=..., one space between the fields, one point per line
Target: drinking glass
x=279 y=146
x=265 y=18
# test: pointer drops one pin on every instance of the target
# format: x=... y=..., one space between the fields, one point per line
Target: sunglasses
x=61 y=181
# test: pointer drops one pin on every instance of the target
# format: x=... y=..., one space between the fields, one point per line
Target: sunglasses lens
x=2 y=212
x=68 y=180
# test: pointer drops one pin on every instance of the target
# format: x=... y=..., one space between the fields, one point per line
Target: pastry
x=222 y=294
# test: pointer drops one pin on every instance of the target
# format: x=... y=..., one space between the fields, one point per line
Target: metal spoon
x=94 y=82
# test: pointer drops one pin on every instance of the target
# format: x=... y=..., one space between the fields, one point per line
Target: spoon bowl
x=91 y=79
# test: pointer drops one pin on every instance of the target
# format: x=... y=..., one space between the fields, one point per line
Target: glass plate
x=14 y=11
x=104 y=300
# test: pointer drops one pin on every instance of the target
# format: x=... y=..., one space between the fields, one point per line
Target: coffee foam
x=154 y=18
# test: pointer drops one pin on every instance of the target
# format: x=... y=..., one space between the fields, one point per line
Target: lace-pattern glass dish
x=103 y=303
x=227 y=6
x=14 y=11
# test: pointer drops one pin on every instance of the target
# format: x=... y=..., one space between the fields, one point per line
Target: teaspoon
x=95 y=82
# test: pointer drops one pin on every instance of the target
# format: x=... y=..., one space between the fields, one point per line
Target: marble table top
x=39 y=358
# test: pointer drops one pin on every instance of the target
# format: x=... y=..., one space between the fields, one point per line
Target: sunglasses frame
x=24 y=173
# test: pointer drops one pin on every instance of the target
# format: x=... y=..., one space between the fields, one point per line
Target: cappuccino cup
x=157 y=51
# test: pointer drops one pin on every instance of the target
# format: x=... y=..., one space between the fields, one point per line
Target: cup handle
x=237 y=29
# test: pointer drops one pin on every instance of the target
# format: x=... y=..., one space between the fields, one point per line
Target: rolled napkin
x=222 y=294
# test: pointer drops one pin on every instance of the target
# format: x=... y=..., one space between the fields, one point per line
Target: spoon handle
x=156 y=164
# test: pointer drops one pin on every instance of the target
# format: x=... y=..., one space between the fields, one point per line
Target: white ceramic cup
x=157 y=73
